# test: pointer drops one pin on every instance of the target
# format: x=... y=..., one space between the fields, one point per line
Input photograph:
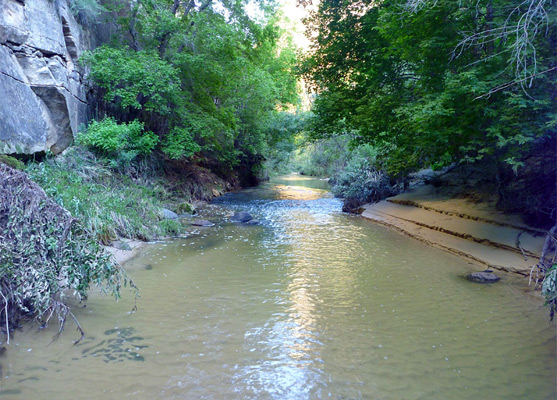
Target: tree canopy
x=432 y=83
x=204 y=77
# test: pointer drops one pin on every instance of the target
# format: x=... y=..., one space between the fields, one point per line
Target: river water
x=311 y=303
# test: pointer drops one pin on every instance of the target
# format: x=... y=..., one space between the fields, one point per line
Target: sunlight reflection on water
x=311 y=303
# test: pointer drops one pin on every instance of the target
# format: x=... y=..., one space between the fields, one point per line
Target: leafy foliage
x=285 y=133
x=138 y=80
x=549 y=289
x=43 y=252
x=360 y=181
x=111 y=138
x=388 y=77
x=205 y=79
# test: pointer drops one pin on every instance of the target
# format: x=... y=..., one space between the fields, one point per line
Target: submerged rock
x=241 y=216
x=202 y=222
x=486 y=276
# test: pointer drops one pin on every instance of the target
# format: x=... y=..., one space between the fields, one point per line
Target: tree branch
x=512 y=83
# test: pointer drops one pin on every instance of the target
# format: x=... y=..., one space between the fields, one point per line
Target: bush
x=180 y=144
x=43 y=252
x=322 y=158
x=134 y=80
x=549 y=289
x=361 y=182
x=121 y=141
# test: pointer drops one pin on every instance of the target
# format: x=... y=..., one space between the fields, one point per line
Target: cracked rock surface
x=43 y=93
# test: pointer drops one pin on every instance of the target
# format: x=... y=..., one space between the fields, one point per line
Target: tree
x=203 y=77
x=393 y=79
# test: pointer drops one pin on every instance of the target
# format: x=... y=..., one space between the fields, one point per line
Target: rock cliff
x=43 y=97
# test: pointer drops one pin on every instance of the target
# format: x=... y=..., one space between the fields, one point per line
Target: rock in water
x=241 y=216
x=486 y=276
x=167 y=214
x=202 y=222
x=186 y=208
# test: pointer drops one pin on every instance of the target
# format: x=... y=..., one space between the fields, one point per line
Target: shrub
x=43 y=252
x=180 y=144
x=361 y=182
x=549 y=289
x=134 y=80
x=125 y=141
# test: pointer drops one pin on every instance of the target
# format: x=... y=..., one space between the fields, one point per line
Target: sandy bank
x=125 y=250
x=476 y=231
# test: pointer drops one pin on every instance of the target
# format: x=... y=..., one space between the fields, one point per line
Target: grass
x=108 y=203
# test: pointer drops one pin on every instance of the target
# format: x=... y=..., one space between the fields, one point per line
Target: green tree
x=205 y=79
x=393 y=79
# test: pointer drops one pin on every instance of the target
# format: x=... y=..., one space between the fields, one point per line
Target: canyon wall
x=42 y=91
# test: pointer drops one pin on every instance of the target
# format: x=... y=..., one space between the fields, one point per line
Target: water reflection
x=310 y=304
x=284 y=192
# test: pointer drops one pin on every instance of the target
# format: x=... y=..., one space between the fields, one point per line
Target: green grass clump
x=107 y=203
x=11 y=162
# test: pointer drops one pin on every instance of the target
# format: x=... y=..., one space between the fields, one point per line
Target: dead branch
x=512 y=83
x=6 y=315
x=550 y=245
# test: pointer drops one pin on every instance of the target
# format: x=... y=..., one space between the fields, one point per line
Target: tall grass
x=107 y=202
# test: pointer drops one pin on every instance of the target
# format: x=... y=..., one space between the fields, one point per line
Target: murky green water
x=310 y=304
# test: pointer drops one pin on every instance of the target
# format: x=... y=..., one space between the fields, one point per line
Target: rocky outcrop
x=43 y=96
x=476 y=231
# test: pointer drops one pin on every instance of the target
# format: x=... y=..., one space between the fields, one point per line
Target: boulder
x=202 y=222
x=241 y=216
x=167 y=214
x=486 y=276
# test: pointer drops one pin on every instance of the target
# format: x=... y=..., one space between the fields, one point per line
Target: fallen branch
x=6 y=315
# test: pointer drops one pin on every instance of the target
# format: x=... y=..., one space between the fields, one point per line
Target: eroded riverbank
x=475 y=231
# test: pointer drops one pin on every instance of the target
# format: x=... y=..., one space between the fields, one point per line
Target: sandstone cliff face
x=42 y=95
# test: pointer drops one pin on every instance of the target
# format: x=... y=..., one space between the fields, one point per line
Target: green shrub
x=134 y=80
x=361 y=182
x=125 y=141
x=180 y=144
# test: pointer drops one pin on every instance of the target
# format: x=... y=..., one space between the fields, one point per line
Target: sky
x=295 y=14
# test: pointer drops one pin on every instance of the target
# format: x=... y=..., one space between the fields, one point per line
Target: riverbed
x=311 y=303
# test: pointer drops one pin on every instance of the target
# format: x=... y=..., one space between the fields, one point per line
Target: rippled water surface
x=309 y=304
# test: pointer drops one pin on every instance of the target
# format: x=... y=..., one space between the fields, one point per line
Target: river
x=312 y=303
